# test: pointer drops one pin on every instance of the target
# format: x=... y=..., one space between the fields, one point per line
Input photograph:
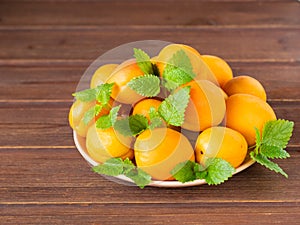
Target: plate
x=80 y=145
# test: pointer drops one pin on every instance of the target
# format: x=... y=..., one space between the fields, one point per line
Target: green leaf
x=87 y=95
x=132 y=125
x=139 y=177
x=261 y=159
x=147 y=85
x=218 y=171
x=178 y=70
x=258 y=138
x=103 y=93
x=128 y=165
x=184 y=171
x=277 y=133
x=173 y=107
x=155 y=119
x=143 y=61
x=111 y=167
x=273 y=152
x=91 y=113
x=107 y=121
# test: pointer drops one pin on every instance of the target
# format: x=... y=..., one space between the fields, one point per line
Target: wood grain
x=157 y=13
x=281 y=44
x=47 y=176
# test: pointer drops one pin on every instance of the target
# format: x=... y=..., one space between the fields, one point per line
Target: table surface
x=45 y=47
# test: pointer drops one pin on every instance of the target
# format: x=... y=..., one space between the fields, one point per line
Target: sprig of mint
x=131 y=125
x=100 y=93
x=147 y=85
x=178 y=71
x=143 y=61
x=215 y=171
x=107 y=121
x=270 y=144
x=173 y=107
x=116 y=166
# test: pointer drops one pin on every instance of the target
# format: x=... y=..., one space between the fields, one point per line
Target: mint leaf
x=178 y=70
x=173 y=107
x=103 y=93
x=184 y=171
x=155 y=119
x=139 y=177
x=264 y=161
x=91 y=113
x=111 y=167
x=86 y=95
x=215 y=171
x=116 y=166
x=277 y=133
x=132 y=125
x=275 y=136
x=218 y=171
x=147 y=85
x=143 y=61
x=107 y=121
x=273 y=152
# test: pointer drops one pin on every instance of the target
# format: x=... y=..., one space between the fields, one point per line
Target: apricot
x=200 y=69
x=244 y=112
x=219 y=67
x=158 y=151
x=206 y=107
x=221 y=142
x=245 y=85
x=105 y=144
x=143 y=106
x=102 y=74
x=76 y=114
x=126 y=71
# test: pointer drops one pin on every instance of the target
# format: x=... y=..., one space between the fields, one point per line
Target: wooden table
x=45 y=46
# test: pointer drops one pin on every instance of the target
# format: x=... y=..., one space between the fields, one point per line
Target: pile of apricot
x=219 y=120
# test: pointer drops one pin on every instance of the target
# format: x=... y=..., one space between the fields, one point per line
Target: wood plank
x=265 y=44
x=281 y=80
x=46 y=124
x=184 y=13
x=47 y=176
x=125 y=213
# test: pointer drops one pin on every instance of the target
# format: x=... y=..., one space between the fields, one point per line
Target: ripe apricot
x=245 y=85
x=158 y=151
x=76 y=114
x=244 y=112
x=200 y=69
x=206 y=107
x=143 y=106
x=219 y=67
x=102 y=74
x=126 y=71
x=104 y=144
x=221 y=142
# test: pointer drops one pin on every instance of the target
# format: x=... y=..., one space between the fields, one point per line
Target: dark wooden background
x=45 y=46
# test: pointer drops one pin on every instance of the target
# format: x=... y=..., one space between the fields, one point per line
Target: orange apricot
x=102 y=74
x=143 y=106
x=158 y=151
x=219 y=67
x=105 y=144
x=206 y=107
x=221 y=142
x=244 y=112
x=245 y=85
x=126 y=71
